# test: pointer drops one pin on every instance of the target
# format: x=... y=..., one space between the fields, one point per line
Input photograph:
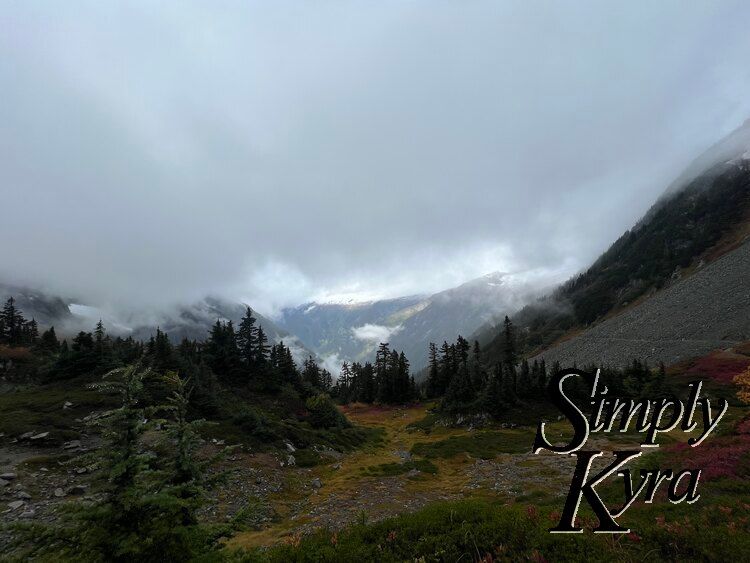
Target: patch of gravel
x=706 y=311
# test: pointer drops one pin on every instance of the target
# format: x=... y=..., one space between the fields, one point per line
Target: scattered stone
x=72 y=444
x=16 y=504
x=39 y=436
x=291 y=461
x=67 y=405
x=290 y=448
x=81 y=470
x=403 y=454
x=77 y=490
x=23 y=495
x=8 y=476
x=336 y=466
x=316 y=483
x=28 y=513
x=414 y=473
x=59 y=492
x=26 y=435
x=4 y=483
x=43 y=469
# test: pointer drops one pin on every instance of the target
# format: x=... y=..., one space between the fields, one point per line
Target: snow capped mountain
x=352 y=331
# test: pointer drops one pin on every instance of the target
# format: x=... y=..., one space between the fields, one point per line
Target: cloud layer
x=280 y=151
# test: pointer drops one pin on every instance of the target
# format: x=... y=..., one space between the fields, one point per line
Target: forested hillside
x=681 y=232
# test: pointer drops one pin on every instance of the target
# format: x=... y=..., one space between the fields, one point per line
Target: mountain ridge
x=685 y=229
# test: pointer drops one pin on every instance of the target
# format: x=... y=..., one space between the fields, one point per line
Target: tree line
x=458 y=373
x=386 y=381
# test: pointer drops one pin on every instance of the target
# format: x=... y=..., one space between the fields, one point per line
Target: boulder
x=16 y=504
x=8 y=476
x=77 y=490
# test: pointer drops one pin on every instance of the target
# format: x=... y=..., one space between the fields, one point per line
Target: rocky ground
x=268 y=498
x=35 y=479
x=707 y=310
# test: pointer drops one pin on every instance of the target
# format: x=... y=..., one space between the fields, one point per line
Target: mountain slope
x=192 y=321
x=460 y=310
x=331 y=328
x=409 y=324
x=705 y=311
x=695 y=222
x=195 y=321
x=45 y=309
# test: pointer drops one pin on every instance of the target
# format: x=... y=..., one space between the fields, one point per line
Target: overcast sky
x=280 y=152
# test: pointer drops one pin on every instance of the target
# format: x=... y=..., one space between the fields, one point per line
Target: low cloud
x=332 y=362
x=374 y=333
x=155 y=153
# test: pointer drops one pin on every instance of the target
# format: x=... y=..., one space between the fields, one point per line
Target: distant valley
x=352 y=331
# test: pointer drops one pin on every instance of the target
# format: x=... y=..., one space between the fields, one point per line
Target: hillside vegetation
x=681 y=231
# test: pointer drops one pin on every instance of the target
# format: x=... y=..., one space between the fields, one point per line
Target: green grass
x=393 y=469
x=484 y=445
x=426 y=424
x=40 y=409
x=267 y=421
x=471 y=530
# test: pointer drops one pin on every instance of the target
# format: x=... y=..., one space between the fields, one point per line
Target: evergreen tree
x=508 y=384
x=542 y=381
x=403 y=391
x=30 y=332
x=146 y=511
x=262 y=349
x=311 y=373
x=433 y=375
x=367 y=387
x=524 y=380
x=446 y=367
x=510 y=357
x=326 y=380
x=491 y=399
x=12 y=323
x=49 y=342
x=383 y=373
x=247 y=339
x=479 y=375
x=222 y=354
